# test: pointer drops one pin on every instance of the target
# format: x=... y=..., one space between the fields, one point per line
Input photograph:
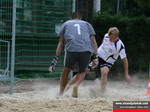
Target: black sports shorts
x=103 y=63
x=81 y=58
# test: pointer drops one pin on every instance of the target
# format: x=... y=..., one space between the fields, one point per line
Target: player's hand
x=128 y=78
x=94 y=56
x=51 y=68
x=94 y=62
x=53 y=64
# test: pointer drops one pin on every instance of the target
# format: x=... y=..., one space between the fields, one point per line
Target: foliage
x=127 y=7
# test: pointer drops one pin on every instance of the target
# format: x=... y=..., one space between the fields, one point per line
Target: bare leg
x=104 y=72
x=73 y=80
x=64 y=79
x=79 y=78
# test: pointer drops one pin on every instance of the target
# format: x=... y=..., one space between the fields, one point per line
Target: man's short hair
x=76 y=14
x=113 y=31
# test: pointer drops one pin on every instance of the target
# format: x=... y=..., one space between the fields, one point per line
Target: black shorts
x=81 y=58
x=103 y=63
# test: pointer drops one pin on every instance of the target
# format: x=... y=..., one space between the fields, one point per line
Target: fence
x=34 y=37
x=38 y=22
x=4 y=58
x=5 y=38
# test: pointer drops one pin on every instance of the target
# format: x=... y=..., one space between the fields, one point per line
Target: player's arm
x=94 y=43
x=92 y=36
x=59 y=46
x=125 y=64
x=57 y=54
x=126 y=70
x=123 y=56
x=61 y=40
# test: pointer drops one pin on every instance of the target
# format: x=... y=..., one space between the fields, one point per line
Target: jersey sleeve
x=122 y=52
x=91 y=29
x=62 y=31
x=106 y=35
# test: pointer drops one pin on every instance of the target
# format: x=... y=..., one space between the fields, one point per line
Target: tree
x=127 y=7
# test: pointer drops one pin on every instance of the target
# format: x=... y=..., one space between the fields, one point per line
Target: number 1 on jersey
x=78 y=29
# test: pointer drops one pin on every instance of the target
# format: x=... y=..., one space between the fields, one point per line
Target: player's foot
x=75 y=92
x=102 y=91
x=58 y=95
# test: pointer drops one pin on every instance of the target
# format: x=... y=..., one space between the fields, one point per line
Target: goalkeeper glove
x=53 y=64
x=94 y=62
x=94 y=56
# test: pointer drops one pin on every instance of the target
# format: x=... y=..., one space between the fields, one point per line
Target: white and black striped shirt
x=109 y=51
